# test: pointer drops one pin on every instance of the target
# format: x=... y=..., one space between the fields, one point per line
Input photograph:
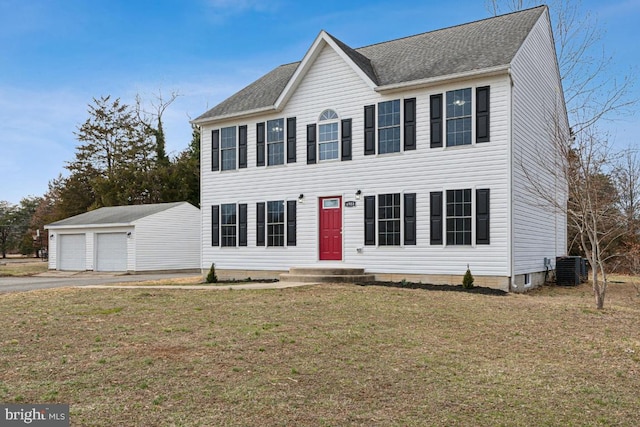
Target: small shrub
x=467 y=280
x=211 y=277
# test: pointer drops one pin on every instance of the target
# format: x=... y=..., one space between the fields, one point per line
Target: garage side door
x=72 y=252
x=111 y=253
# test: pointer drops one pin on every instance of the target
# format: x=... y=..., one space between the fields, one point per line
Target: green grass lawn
x=331 y=355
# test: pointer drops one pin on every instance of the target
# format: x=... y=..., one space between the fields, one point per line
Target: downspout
x=512 y=281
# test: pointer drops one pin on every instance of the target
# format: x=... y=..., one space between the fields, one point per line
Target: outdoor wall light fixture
x=300 y=198
x=358 y=193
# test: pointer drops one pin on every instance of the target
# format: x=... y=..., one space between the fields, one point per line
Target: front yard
x=324 y=355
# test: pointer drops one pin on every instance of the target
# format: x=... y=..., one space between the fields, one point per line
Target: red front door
x=331 y=228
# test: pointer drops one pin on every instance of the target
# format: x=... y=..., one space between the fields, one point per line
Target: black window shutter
x=311 y=144
x=436 y=217
x=370 y=129
x=242 y=224
x=260 y=137
x=436 y=120
x=260 y=224
x=370 y=220
x=291 y=140
x=215 y=150
x=215 y=225
x=242 y=147
x=409 y=124
x=482 y=114
x=482 y=216
x=291 y=222
x=410 y=219
x=346 y=139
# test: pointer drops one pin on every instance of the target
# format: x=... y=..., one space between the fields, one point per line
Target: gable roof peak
x=358 y=59
x=486 y=45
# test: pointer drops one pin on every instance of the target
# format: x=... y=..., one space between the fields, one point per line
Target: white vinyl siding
x=330 y=82
x=169 y=240
x=538 y=231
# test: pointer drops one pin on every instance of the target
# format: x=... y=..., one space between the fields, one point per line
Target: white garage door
x=72 y=252
x=111 y=252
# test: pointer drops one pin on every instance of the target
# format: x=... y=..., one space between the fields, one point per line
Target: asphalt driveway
x=48 y=281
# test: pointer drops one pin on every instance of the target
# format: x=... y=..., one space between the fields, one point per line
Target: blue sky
x=56 y=55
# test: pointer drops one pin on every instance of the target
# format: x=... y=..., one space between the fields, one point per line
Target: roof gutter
x=415 y=84
x=237 y=115
x=74 y=226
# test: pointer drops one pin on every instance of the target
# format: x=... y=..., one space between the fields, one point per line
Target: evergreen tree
x=116 y=154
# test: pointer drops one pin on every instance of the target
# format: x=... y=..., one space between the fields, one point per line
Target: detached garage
x=158 y=237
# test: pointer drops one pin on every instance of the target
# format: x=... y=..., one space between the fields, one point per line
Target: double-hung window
x=459 y=217
x=228 y=148
x=389 y=219
x=393 y=210
x=275 y=142
x=275 y=223
x=389 y=127
x=392 y=129
x=228 y=224
x=328 y=135
x=459 y=117
x=464 y=118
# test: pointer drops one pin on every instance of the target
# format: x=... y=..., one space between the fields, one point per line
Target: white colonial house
x=410 y=158
x=137 y=238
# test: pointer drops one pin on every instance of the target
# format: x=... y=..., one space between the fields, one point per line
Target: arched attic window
x=328 y=146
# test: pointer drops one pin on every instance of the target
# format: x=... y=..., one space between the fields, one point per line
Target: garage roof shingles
x=115 y=215
x=478 y=45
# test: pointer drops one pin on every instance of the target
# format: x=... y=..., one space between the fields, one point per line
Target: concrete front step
x=326 y=275
x=333 y=278
x=326 y=271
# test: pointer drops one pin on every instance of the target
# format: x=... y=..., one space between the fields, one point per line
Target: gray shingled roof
x=115 y=215
x=489 y=43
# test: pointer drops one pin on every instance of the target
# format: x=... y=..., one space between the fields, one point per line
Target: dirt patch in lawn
x=324 y=355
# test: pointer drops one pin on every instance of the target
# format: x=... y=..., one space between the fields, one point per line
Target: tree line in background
x=121 y=159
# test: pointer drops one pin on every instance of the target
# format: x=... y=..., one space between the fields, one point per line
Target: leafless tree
x=583 y=162
x=592 y=91
x=152 y=118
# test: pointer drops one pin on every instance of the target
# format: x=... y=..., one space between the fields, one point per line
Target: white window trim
x=377 y=134
x=473 y=216
x=283 y=142
x=235 y=148
x=327 y=122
